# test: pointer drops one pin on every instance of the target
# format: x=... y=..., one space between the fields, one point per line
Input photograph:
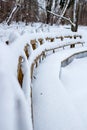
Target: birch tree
x=65 y=6
x=14 y=11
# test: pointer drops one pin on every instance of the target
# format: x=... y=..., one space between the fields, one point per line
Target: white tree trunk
x=64 y=10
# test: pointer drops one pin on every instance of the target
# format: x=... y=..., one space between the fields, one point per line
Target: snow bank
x=15 y=102
x=52 y=104
x=14 y=109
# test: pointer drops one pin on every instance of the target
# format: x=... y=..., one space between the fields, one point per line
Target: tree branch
x=68 y=19
x=62 y=17
x=64 y=10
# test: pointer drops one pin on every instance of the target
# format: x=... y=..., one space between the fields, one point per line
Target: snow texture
x=53 y=107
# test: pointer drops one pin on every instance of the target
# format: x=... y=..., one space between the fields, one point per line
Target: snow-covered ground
x=13 y=31
x=54 y=104
x=60 y=103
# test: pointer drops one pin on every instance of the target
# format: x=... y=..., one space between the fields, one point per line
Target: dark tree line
x=83 y=13
x=5 y=9
x=29 y=11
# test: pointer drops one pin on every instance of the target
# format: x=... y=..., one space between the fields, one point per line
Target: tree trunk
x=48 y=7
x=75 y=14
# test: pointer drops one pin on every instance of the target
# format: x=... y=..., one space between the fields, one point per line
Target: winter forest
x=43 y=64
x=38 y=11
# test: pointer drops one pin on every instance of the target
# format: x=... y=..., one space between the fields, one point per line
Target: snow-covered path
x=56 y=103
x=74 y=78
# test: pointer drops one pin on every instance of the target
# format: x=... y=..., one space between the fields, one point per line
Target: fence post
x=19 y=71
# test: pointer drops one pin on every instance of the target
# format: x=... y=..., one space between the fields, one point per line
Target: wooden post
x=36 y=61
x=40 y=40
x=33 y=43
x=32 y=69
x=40 y=59
x=52 y=39
x=53 y=50
x=72 y=45
x=61 y=38
x=43 y=55
x=19 y=71
x=26 y=50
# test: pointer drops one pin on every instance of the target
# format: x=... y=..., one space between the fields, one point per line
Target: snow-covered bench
x=52 y=39
x=69 y=59
x=64 y=44
x=41 y=47
x=40 y=52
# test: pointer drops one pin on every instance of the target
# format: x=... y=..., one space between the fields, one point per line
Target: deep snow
x=52 y=105
x=60 y=103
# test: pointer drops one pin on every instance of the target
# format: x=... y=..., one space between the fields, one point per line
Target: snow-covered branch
x=15 y=9
x=62 y=17
x=64 y=10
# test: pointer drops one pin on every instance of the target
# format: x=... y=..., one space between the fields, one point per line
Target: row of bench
x=51 y=39
x=42 y=54
x=52 y=47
